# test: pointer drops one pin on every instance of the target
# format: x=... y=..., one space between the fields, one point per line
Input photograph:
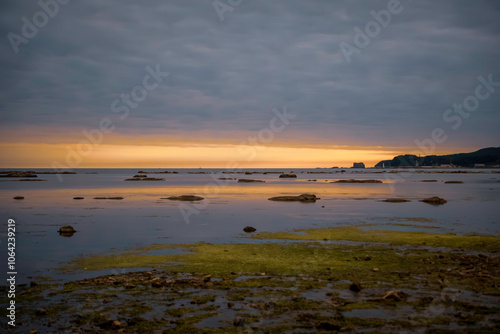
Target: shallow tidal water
x=142 y=218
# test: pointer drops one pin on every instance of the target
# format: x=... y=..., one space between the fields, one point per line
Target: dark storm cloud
x=226 y=76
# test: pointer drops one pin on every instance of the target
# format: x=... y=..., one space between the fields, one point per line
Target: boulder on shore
x=249 y=229
x=185 y=198
x=305 y=198
x=434 y=200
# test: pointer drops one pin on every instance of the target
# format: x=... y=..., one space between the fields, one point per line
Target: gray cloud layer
x=226 y=76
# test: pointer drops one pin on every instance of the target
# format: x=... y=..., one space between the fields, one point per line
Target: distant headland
x=483 y=158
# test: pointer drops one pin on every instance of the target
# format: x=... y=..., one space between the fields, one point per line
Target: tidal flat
x=369 y=280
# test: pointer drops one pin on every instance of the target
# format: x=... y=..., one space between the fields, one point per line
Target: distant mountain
x=488 y=156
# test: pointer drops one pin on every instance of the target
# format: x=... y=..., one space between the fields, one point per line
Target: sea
x=145 y=216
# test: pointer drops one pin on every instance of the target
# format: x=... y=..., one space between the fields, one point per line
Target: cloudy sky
x=354 y=89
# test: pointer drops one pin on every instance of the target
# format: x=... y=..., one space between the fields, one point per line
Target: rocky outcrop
x=185 y=198
x=18 y=173
x=305 y=198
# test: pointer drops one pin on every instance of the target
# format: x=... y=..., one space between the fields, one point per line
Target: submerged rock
x=18 y=197
x=77 y=197
x=185 y=198
x=357 y=181
x=249 y=229
x=301 y=198
x=434 y=200
x=396 y=200
x=289 y=176
x=454 y=182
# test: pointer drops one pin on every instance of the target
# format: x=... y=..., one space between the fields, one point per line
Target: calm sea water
x=142 y=218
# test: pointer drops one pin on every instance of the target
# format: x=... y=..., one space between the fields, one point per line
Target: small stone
x=238 y=321
x=18 y=197
x=77 y=197
x=129 y=286
x=367 y=258
x=230 y=305
x=33 y=331
x=356 y=287
x=375 y=269
x=157 y=284
x=249 y=229
x=41 y=311
x=33 y=283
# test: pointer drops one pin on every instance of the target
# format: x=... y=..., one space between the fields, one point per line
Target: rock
x=157 y=284
x=327 y=326
x=288 y=176
x=18 y=173
x=395 y=295
x=185 y=198
x=428 y=180
x=33 y=283
x=116 y=198
x=249 y=180
x=33 y=331
x=305 y=198
x=129 y=286
x=367 y=258
x=356 y=287
x=238 y=322
x=41 y=312
x=375 y=269
x=66 y=231
x=138 y=178
x=454 y=182
x=110 y=324
x=434 y=200
x=357 y=181
x=230 y=305
x=248 y=173
x=18 y=197
x=396 y=200
x=77 y=197
x=249 y=229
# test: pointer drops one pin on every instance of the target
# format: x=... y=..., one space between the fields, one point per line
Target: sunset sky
x=257 y=83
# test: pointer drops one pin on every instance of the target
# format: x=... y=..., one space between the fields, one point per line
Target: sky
x=255 y=83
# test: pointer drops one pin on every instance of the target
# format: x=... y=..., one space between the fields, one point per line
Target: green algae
x=349 y=233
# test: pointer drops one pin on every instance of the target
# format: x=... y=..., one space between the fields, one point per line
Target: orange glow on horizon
x=25 y=155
